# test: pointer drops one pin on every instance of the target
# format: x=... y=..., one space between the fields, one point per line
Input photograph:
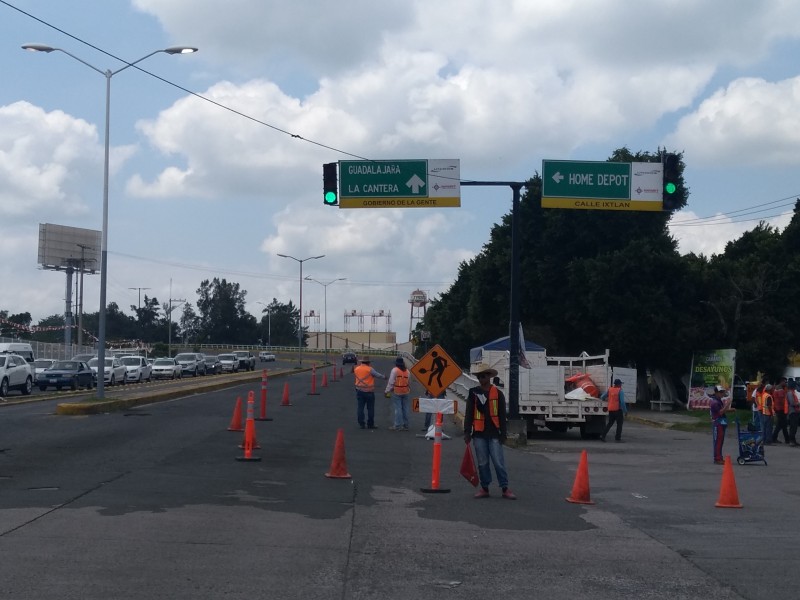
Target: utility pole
x=80 y=296
x=139 y=312
x=169 y=314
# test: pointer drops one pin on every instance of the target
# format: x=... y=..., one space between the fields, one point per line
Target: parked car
x=15 y=374
x=166 y=368
x=349 y=357
x=84 y=357
x=247 y=361
x=114 y=372
x=229 y=363
x=138 y=369
x=71 y=374
x=213 y=366
x=265 y=356
x=191 y=363
x=40 y=364
x=20 y=349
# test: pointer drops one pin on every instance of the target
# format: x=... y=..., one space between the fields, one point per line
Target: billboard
x=61 y=247
x=710 y=368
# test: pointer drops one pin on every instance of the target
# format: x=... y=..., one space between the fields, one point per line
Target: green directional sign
x=399 y=183
x=601 y=185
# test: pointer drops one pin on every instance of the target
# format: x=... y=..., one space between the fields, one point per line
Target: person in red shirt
x=779 y=403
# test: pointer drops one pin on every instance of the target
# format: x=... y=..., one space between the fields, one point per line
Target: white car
x=266 y=356
x=229 y=363
x=114 y=372
x=15 y=374
x=138 y=369
x=40 y=364
x=166 y=368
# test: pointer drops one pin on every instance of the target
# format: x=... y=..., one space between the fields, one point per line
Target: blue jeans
x=490 y=448
x=400 y=402
x=366 y=399
x=766 y=428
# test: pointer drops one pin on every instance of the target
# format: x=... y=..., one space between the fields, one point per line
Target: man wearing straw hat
x=485 y=426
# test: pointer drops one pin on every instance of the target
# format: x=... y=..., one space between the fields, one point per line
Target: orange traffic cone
x=285 y=400
x=313 y=391
x=338 y=469
x=244 y=437
x=324 y=379
x=341 y=373
x=236 y=420
x=263 y=416
x=249 y=432
x=580 y=489
x=334 y=372
x=728 y=496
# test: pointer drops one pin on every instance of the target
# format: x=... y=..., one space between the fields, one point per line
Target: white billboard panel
x=61 y=247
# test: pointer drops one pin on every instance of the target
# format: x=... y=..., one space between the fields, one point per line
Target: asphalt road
x=151 y=503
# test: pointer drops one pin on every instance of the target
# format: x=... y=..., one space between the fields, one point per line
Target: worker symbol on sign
x=437 y=369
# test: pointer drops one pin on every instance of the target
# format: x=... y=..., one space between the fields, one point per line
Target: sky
x=216 y=156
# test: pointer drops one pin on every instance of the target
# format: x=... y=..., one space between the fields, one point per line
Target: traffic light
x=671 y=180
x=330 y=184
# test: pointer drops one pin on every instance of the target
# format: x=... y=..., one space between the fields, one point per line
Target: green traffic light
x=330 y=197
x=670 y=188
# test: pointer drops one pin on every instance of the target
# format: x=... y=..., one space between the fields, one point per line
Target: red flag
x=468 y=469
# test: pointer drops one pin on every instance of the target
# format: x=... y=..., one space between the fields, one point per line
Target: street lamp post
x=269 y=322
x=108 y=74
x=325 y=310
x=300 y=323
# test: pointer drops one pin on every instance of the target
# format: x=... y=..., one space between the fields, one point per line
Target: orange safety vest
x=478 y=424
x=779 y=400
x=766 y=407
x=759 y=400
x=365 y=382
x=613 y=399
x=401 y=385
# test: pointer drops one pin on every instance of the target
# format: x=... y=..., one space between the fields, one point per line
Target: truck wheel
x=28 y=387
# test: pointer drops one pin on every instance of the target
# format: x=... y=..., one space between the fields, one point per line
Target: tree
x=223 y=318
x=147 y=317
x=284 y=320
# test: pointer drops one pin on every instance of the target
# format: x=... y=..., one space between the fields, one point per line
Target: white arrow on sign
x=558 y=177
x=415 y=183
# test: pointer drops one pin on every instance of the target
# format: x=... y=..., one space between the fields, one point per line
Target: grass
x=703 y=420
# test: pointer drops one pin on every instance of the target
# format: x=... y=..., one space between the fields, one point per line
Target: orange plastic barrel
x=583 y=381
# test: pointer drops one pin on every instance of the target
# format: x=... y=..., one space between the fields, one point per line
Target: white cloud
x=750 y=122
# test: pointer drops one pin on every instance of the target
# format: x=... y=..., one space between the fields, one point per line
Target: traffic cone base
x=580 y=489
x=236 y=420
x=338 y=468
x=324 y=379
x=728 y=496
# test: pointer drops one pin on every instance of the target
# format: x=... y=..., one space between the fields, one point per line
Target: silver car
x=229 y=363
x=191 y=363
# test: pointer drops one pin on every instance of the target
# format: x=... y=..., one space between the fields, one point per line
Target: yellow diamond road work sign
x=436 y=370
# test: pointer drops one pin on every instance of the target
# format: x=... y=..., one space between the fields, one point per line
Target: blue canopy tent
x=503 y=343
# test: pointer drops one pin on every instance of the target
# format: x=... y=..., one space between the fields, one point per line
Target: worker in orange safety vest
x=616 y=409
x=398 y=389
x=365 y=392
x=766 y=408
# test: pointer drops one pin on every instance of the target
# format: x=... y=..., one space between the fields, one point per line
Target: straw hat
x=482 y=367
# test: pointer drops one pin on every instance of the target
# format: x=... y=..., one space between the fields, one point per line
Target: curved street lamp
x=325 y=285
x=300 y=321
x=108 y=74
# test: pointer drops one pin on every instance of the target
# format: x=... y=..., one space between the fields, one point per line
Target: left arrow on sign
x=558 y=177
x=415 y=183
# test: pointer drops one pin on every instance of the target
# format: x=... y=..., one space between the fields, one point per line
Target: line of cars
x=19 y=370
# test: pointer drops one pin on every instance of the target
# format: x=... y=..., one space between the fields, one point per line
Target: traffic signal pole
x=513 y=326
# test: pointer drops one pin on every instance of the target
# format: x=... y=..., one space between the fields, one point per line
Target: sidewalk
x=664 y=420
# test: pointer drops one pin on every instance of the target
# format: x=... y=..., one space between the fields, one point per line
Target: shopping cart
x=751 y=443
